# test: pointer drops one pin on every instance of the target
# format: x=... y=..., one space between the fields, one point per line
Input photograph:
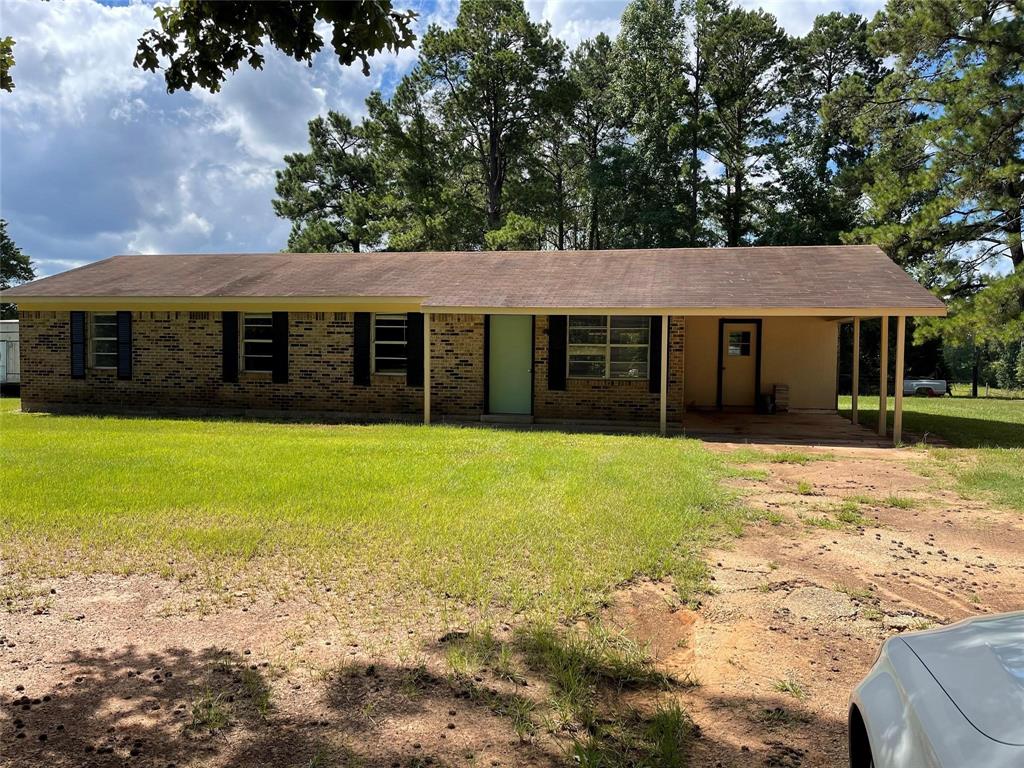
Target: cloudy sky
x=97 y=159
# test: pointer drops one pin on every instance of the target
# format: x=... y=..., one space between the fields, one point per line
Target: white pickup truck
x=925 y=387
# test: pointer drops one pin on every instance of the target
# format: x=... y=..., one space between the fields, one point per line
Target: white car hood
x=980 y=664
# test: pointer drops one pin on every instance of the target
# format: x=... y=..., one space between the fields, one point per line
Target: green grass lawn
x=993 y=425
x=535 y=521
x=995 y=422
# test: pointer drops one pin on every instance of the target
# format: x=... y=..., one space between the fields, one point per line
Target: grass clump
x=660 y=740
x=780 y=716
x=862 y=594
x=870 y=613
x=758 y=456
x=804 y=488
x=209 y=713
x=897 y=502
x=790 y=687
x=577 y=663
x=469 y=654
x=820 y=521
x=992 y=473
x=256 y=691
x=849 y=513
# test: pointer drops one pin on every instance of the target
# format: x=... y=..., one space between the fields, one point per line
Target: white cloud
x=69 y=53
x=98 y=159
x=797 y=16
x=576 y=20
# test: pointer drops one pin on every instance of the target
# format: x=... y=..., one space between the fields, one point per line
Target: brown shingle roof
x=810 y=277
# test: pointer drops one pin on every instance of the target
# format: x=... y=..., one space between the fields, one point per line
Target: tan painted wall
x=799 y=351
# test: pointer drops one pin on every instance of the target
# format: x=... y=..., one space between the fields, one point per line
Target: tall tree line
x=702 y=124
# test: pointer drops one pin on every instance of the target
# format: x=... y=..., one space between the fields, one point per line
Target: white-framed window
x=257 y=342
x=103 y=340
x=608 y=347
x=390 y=345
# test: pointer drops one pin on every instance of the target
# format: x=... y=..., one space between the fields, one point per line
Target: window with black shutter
x=390 y=344
x=124 y=345
x=77 y=345
x=608 y=347
x=103 y=340
x=557 y=325
x=257 y=342
x=361 y=335
x=229 y=346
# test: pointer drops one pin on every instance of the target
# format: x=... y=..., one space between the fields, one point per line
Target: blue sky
x=97 y=159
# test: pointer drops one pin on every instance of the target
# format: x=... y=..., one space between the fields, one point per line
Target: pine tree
x=15 y=267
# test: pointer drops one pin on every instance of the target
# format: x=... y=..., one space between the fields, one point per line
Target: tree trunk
x=593 y=233
x=560 y=191
x=735 y=212
x=1014 y=238
x=974 y=375
x=592 y=236
x=695 y=154
x=494 y=180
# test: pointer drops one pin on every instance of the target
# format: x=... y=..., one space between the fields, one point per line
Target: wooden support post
x=883 y=378
x=426 y=368
x=897 y=395
x=663 y=390
x=855 y=376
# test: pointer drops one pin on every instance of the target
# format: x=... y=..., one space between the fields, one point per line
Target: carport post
x=663 y=389
x=897 y=395
x=426 y=367
x=883 y=377
x=855 y=376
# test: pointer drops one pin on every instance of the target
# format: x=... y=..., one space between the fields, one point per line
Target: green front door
x=510 y=365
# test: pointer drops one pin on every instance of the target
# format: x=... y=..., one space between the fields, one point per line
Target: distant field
x=526 y=519
x=993 y=425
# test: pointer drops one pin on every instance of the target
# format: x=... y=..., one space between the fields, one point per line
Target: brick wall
x=176 y=360
x=457 y=365
x=607 y=399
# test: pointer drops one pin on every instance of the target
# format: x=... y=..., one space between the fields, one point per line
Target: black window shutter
x=414 y=349
x=229 y=346
x=361 y=350
x=558 y=331
x=124 y=345
x=280 y=348
x=78 y=345
x=654 y=356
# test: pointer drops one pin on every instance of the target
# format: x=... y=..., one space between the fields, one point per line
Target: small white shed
x=10 y=367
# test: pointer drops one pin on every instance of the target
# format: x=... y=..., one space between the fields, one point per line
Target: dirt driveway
x=800 y=608
x=142 y=671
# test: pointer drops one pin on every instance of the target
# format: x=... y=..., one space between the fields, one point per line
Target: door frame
x=487 y=364
x=757 y=322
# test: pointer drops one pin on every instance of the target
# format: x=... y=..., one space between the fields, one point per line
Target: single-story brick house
x=628 y=337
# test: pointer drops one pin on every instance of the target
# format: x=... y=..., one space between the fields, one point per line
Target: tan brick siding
x=176 y=363
x=457 y=365
x=610 y=399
